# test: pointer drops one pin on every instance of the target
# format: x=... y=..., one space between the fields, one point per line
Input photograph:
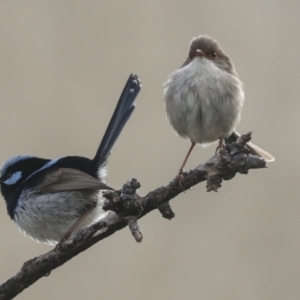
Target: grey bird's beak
x=199 y=53
x=192 y=55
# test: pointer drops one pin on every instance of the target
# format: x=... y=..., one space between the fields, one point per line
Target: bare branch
x=128 y=207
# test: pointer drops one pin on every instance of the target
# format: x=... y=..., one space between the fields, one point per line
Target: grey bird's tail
x=253 y=149
x=121 y=115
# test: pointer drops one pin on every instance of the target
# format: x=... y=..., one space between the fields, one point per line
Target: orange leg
x=187 y=157
x=184 y=163
x=221 y=144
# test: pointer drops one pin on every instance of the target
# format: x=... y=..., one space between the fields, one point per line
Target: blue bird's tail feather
x=121 y=115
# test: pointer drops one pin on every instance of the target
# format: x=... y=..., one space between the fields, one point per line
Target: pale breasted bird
x=204 y=98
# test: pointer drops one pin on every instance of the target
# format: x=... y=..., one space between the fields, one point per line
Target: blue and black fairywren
x=52 y=199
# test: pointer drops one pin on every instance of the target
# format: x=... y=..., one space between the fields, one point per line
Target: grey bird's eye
x=213 y=54
x=13 y=178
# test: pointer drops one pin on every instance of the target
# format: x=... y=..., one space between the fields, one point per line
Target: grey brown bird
x=204 y=98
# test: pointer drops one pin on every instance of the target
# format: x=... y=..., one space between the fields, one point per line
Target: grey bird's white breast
x=203 y=102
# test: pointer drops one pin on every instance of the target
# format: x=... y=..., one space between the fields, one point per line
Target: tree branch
x=126 y=207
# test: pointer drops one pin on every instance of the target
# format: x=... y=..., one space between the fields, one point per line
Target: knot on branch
x=232 y=159
x=134 y=228
x=124 y=202
x=166 y=211
x=127 y=204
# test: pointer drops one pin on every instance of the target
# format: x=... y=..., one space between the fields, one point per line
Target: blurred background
x=63 y=65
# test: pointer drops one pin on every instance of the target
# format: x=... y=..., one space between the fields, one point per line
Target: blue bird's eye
x=13 y=178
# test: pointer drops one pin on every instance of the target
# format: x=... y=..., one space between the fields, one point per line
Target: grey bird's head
x=208 y=48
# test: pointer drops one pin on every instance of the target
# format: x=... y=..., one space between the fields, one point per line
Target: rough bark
x=126 y=207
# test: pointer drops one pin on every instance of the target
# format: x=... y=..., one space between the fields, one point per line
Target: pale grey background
x=63 y=65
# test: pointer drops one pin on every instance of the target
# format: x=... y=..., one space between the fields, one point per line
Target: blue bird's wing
x=66 y=179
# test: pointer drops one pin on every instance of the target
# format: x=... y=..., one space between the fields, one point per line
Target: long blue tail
x=121 y=115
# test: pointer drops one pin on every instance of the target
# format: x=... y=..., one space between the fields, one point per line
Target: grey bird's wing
x=66 y=179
